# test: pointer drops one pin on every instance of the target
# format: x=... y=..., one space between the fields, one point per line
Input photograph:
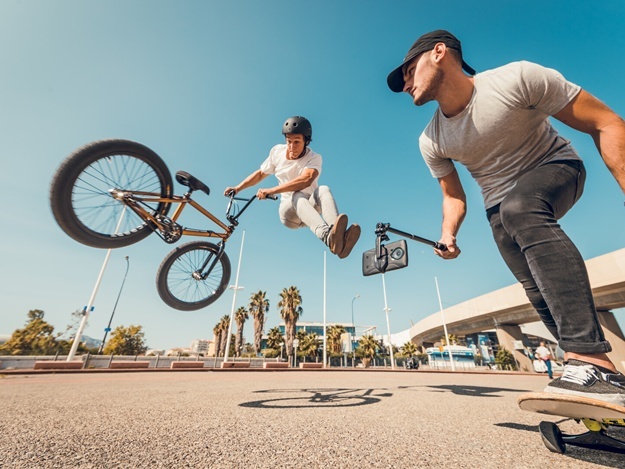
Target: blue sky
x=207 y=85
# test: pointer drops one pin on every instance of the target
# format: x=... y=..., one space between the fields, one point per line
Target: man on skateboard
x=303 y=202
x=496 y=124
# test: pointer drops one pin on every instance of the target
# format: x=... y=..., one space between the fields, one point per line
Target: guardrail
x=87 y=361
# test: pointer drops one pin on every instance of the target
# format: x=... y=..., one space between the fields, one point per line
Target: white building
x=200 y=347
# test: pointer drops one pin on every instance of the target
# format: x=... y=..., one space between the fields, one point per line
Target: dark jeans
x=543 y=258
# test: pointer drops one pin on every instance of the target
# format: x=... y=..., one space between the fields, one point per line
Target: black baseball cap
x=425 y=43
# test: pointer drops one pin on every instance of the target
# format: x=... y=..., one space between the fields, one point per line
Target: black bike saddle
x=192 y=182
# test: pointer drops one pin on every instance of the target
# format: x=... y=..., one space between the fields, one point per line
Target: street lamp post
x=353 y=325
x=108 y=328
x=295 y=344
x=388 y=324
x=236 y=288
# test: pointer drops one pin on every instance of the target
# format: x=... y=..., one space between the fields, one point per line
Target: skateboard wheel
x=552 y=437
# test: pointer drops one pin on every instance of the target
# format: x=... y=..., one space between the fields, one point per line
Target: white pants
x=318 y=212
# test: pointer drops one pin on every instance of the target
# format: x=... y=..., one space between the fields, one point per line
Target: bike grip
x=272 y=197
x=440 y=246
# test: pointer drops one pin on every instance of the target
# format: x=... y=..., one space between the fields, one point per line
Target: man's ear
x=439 y=51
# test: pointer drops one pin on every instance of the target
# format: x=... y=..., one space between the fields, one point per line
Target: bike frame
x=136 y=200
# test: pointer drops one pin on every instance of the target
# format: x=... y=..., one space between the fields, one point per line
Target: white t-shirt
x=286 y=170
x=504 y=131
x=543 y=353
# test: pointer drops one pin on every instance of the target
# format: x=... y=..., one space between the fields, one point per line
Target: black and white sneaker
x=586 y=380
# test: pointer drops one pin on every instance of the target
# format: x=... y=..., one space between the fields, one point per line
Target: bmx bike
x=114 y=193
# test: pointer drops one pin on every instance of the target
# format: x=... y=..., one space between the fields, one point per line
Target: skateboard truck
x=596 y=415
x=595 y=438
x=391 y=256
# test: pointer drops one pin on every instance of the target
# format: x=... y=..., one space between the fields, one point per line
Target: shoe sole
x=352 y=235
x=337 y=234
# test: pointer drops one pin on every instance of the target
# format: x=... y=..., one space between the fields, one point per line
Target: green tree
x=275 y=339
x=259 y=306
x=240 y=316
x=34 y=339
x=367 y=348
x=333 y=338
x=217 y=338
x=126 y=341
x=452 y=338
x=224 y=324
x=505 y=359
x=409 y=349
x=309 y=345
x=290 y=310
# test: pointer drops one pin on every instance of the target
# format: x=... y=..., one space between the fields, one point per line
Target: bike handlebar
x=232 y=195
x=234 y=218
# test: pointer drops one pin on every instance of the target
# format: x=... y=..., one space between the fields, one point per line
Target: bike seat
x=192 y=182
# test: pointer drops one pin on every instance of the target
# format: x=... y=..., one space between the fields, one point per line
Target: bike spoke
x=91 y=198
x=182 y=283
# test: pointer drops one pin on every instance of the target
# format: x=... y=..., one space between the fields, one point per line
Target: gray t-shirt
x=504 y=131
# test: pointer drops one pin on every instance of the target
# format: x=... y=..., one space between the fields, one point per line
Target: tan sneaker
x=351 y=238
x=337 y=234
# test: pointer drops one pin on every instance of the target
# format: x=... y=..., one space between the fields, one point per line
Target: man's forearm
x=610 y=142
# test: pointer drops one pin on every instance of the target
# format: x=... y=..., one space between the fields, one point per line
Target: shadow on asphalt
x=319 y=398
x=462 y=390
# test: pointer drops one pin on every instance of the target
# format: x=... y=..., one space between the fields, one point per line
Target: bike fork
x=202 y=273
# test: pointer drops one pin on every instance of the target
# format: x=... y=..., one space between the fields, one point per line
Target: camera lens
x=397 y=253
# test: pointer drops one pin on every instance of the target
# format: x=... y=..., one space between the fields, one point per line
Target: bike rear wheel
x=80 y=193
x=183 y=280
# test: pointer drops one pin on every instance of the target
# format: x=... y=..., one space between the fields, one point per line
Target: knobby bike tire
x=82 y=204
x=176 y=284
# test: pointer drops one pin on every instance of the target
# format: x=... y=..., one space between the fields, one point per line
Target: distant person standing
x=544 y=354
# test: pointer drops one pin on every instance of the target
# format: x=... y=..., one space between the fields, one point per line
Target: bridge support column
x=506 y=335
x=614 y=335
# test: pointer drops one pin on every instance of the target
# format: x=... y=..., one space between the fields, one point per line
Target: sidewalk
x=261 y=419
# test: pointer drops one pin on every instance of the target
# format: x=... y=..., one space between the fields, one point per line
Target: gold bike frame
x=133 y=199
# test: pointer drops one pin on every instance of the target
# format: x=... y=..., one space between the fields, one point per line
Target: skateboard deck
x=596 y=415
x=574 y=407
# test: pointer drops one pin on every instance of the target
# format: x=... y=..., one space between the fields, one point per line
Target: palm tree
x=309 y=345
x=258 y=307
x=409 y=349
x=224 y=324
x=335 y=346
x=217 y=332
x=368 y=348
x=275 y=338
x=240 y=316
x=452 y=338
x=290 y=310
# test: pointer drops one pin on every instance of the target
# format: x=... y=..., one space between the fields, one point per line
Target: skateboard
x=596 y=415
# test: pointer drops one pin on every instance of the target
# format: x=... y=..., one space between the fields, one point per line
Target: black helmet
x=298 y=125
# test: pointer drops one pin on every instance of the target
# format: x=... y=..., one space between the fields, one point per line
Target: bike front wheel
x=81 y=199
x=193 y=276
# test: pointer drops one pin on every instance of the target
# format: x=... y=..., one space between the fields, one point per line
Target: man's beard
x=431 y=88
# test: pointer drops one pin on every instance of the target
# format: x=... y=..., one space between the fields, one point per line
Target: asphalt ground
x=278 y=419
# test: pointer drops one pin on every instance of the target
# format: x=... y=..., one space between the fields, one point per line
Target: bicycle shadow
x=319 y=398
x=473 y=391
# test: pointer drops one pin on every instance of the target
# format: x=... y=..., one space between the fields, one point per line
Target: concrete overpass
x=506 y=309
